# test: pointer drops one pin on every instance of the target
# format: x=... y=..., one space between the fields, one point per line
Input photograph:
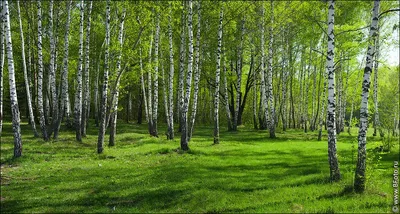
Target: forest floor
x=246 y=172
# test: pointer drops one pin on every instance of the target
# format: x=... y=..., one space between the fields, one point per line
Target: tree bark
x=86 y=87
x=184 y=125
x=40 y=75
x=78 y=92
x=182 y=55
x=331 y=123
x=114 y=103
x=170 y=134
x=102 y=126
x=376 y=114
x=2 y=35
x=359 y=182
x=13 y=90
x=64 y=75
x=154 y=129
x=269 y=84
x=263 y=97
x=217 y=77
x=226 y=97
x=26 y=80
x=146 y=110
x=196 y=74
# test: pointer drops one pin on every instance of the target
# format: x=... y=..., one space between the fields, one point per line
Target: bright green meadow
x=246 y=172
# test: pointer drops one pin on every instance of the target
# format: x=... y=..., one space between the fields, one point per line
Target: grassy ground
x=247 y=172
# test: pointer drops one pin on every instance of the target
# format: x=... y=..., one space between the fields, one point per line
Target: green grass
x=246 y=172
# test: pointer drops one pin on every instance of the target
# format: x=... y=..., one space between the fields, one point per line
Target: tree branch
x=388 y=11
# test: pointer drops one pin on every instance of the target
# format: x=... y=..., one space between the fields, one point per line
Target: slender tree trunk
x=154 y=129
x=184 y=125
x=331 y=123
x=26 y=80
x=13 y=90
x=182 y=56
x=64 y=75
x=52 y=72
x=170 y=135
x=86 y=87
x=149 y=89
x=40 y=75
x=359 y=182
x=78 y=93
x=376 y=114
x=1 y=69
x=264 y=105
x=270 y=91
x=196 y=74
x=114 y=103
x=102 y=128
x=323 y=115
x=226 y=97
x=146 y=110
x=96 y=94
x=254 y=99
x=217 y=77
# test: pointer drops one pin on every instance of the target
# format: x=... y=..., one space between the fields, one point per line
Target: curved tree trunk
x=114 y=103
x=102 y=126
x=359 y=182
x=13 y=89
x=26 y=80
x=226 y=97
x=331 y=123
x=42 y=120
x=86 y=88
x=184 y=125
x=146 y=110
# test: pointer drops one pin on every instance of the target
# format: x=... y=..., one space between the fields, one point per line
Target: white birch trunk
x=196 y=73
x=114 y=111
x=360 y=177
x=102 y=125
x=149 y=88
x=170 y=134
x=376 y=114
x=146 y=110
x=64 y=75
x=217 y=77
x=13 y=89
x=2 y=52
x=154 y=130
x=78 y=93
x=184 y=125
x=331 y=123
x=270 y=91
x=40 y=75
x=182 y=55
x=86 y=87
x=26 y=80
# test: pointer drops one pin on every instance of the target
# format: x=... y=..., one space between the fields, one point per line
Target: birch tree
x=114 y=103
x=263 y=97
x=86 y=88
x=359 y=182
x=375 y=94
x=170 y=134
x=2 y=52
x=26 y=80
x=64 y=75
x=184 y=120
x=149 y=88
x=217 y=77
x=154 y=130
x=182 y=54
x=146 y=110
x=40 y=74
x=102 y=125
x=13 y=89
x=196 y=73
x=78 y=93
x=331 y=123
x=269 y=84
